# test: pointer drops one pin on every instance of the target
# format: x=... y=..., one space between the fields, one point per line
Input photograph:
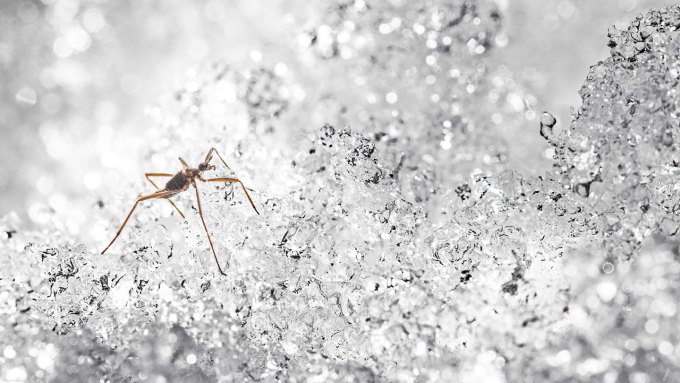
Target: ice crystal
x=404 y=246
x=620 y=153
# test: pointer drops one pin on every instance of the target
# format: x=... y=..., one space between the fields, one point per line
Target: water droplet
x=607 y=267
x=547 y=124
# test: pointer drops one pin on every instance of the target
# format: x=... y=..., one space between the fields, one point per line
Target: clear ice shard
x=407 y=247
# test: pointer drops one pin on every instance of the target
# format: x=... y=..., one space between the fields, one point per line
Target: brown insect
x=180 y=182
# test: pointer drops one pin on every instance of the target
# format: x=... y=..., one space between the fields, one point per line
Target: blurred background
x=78 y=76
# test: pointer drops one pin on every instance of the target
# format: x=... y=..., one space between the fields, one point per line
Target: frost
x=406 y=245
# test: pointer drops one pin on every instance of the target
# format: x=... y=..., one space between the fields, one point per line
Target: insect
x=180 y=182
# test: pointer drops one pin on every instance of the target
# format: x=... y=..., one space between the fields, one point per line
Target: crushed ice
x=399 y=240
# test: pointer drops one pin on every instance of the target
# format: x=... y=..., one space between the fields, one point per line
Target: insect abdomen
x=177 y=182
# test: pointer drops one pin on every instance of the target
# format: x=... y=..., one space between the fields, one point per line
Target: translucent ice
x=405 y=246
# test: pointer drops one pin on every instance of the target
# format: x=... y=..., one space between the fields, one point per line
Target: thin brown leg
x=200 y=213
x=208 y=157
x=232 y=180
x=148 y=177
x=158 y=194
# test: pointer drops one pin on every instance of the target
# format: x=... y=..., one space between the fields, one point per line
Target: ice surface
x=405 y=246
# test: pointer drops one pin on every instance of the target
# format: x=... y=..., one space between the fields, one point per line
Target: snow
x=398 y=240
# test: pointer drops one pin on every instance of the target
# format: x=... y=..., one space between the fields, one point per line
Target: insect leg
x=200 y=213
x=233 y=180
x=158 y=194
x=148 y=177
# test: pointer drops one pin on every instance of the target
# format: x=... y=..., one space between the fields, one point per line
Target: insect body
x=179 y=182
